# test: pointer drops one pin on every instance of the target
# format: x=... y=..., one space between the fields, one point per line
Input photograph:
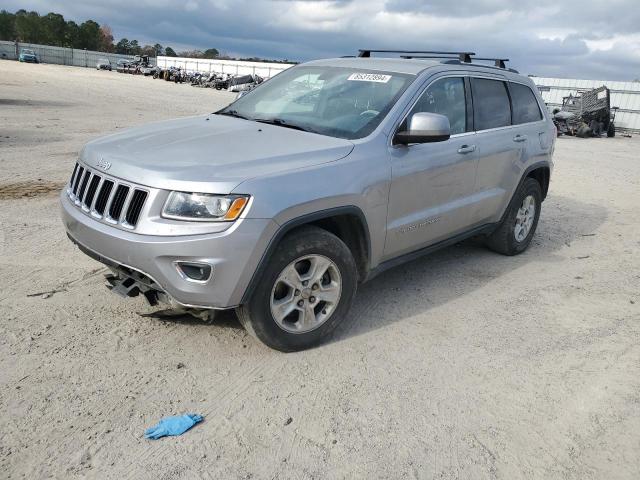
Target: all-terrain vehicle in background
x=588 y=114
x=331 y=172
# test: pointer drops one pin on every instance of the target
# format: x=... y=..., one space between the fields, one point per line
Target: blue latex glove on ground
x=173 y=426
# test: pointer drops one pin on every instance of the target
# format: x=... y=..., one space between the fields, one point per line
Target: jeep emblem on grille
x=103 y=164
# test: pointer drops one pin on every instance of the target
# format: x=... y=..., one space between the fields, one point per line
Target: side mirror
x=425 y=127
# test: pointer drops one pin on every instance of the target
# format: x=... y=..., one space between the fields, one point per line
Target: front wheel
x=514 y=234
x=305 y=291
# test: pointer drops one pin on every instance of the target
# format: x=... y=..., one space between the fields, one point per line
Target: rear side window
x=491 y=106
x=446 y=97
x=525 y=105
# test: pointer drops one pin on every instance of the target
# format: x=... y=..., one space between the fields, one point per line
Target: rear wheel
x=611 y=130
x=305 y=291
x=514 y=234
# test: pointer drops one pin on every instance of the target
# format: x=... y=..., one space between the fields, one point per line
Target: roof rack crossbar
x=462 y=56
x=498 y=62
x=444 y=57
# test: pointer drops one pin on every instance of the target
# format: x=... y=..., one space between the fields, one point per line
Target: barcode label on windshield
x=369 y=77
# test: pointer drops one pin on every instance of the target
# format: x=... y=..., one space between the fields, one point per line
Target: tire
x=505 y=239
x=303 y=246
x=611 y=130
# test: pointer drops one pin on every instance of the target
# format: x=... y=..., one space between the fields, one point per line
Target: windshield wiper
x=281 y=123
x=233 y=113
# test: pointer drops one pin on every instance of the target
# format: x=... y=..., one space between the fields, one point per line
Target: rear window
x=491 y=104
x=525 y=105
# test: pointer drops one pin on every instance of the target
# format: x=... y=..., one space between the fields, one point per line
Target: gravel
x=464 y=364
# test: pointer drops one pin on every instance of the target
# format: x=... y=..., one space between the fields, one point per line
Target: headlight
x=204 y=207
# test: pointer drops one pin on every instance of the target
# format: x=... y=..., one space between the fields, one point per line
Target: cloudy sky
x=566 y=38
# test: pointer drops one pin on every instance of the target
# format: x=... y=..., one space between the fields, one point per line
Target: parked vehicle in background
x=141 y=65
x=28 y=56
x=588 y=114
x=103 y=64
x=222 y=81
x=331 y=172
x=174 y=74
x=147 y=70
x=244 y=82
x=122 y=65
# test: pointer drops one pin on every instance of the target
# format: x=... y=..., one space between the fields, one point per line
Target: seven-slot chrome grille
x=106 y=198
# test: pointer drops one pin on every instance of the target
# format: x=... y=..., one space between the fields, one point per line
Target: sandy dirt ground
x=463 y=365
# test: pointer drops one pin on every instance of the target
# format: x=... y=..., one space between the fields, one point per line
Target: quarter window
x=491 y=104
x=446 y=97
x=525 y=105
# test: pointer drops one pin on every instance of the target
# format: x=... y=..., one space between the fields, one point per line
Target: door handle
x=467 y=149
x=520 y=138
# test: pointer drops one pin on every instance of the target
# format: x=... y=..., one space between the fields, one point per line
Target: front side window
x=336 y=101
x=525 y=105
x=491 y=106
x=446 y=97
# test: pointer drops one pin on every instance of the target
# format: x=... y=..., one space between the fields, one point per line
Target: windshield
x=339 y=102
x=27 y=52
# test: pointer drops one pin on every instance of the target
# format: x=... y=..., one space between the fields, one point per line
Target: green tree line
x=53 y=29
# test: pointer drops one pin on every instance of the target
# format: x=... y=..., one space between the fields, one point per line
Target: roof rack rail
x=498 y=62
x=462 y=56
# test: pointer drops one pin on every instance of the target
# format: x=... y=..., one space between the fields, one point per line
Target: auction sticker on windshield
x=369 y=77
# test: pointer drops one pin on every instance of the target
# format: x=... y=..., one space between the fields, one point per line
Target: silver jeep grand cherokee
x=322 y=177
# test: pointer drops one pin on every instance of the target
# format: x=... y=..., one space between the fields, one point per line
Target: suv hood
x=209 y=154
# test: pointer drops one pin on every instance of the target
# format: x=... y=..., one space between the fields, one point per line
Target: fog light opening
x=194 y=272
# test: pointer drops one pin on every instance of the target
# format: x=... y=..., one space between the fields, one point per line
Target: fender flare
x=297 y=222
x=525 y=174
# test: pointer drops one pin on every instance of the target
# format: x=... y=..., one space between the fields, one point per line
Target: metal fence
x=624 y=95
x=88 y=58
x=236 y=67
x=59 y=55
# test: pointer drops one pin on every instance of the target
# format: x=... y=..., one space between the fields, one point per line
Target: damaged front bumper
x=148 y=264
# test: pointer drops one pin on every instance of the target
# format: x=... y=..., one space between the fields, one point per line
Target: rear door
x=501 y=148
x=432 y=183
x=531 y=124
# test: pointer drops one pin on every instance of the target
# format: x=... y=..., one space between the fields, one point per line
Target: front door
x=432 y=183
